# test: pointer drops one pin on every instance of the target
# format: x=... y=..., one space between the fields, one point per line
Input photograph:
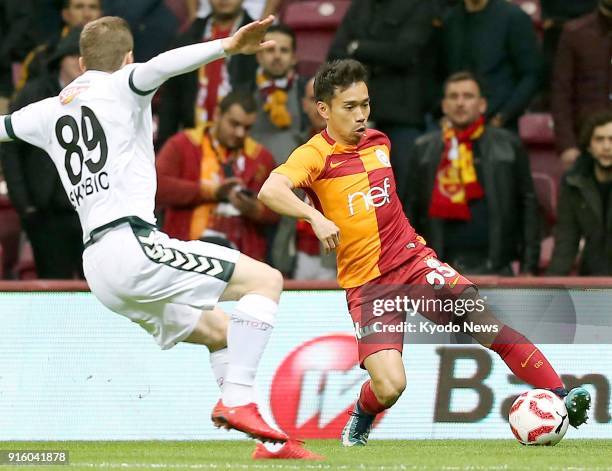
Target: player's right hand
x=327 y=232
x=249 y=38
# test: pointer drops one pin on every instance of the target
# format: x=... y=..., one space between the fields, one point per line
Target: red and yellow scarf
x=213 y=78
x=456 y=180
x=275 y=95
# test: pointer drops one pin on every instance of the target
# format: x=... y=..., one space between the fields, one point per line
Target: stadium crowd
x=467 y=91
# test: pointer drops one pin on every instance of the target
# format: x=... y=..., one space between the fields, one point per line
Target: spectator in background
x=585 y=205
x=316 y=123
x=153 y=24
x=471 y=191
x=311 y=263
x=582 y=82
x=395 y=39
x=75 y=14
x=16 y=39
x=555 y=13
x=256 y=8
x=495 y=40
x=48 y=218
x=444 y=7
x=207 y=179
x=279 y=95
x=189 y=100
x=296 y=249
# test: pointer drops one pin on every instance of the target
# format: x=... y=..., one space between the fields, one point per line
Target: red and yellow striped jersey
x=354 y=187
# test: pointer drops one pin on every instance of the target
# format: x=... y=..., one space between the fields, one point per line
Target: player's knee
x=389 y=390
x=271 y=281
x=262 y=279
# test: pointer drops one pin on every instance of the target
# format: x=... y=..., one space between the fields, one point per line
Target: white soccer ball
x=538 y=417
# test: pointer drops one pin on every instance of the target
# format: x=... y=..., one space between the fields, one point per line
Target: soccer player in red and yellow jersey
x=346 y=171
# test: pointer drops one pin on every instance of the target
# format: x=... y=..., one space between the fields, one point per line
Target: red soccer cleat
x=291 y=450
x=246 y=419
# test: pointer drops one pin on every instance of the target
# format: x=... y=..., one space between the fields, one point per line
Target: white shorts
x=160 y=283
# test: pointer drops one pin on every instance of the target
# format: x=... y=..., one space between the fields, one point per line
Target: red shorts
x=378 y=317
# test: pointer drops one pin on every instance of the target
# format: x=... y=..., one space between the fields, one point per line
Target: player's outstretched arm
x=276 y=193
x=247 y=40
x=4 y=133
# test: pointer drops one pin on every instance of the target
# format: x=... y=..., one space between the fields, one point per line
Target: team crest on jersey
x=383 y=157
x=69 y=93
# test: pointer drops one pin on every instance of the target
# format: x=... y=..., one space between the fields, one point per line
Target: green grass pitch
x=378 y=455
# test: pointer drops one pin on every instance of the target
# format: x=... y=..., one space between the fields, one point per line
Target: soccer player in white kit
x=98 y=132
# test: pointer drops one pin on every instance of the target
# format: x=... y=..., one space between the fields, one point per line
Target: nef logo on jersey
x=376 y=197
x=316 y=386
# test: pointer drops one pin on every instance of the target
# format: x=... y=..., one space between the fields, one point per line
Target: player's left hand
x=326 y=231
x=249 y=38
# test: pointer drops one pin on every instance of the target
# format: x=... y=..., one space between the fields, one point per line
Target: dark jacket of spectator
x=31 y=174
x=17 y=37
x=178 y=99
x=555 y=13
x=582 y=78
x=500 y=46
x=154 y=25
x=560 y=10
x=508 y=187
x=37 y=194
x=580 y=214
x=396 y=40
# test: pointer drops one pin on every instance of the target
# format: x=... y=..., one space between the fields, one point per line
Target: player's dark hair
x=338 y=75
x=105 y=42
x=593 y=121
x=243 y=98
x=464 y=76
x=284 y=29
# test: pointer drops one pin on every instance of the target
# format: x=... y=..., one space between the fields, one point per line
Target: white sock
x=235 y=393
x=218 y=363
x=248 y=333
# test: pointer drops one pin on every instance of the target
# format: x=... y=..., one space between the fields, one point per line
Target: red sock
x=525 y=360
x=368 y=401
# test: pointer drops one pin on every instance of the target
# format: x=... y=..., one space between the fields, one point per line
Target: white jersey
x=98 y=132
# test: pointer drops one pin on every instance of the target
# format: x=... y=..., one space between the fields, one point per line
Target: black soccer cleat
x=357 y=429
x=578 y=403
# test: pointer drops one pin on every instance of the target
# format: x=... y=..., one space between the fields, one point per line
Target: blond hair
x=105 y=42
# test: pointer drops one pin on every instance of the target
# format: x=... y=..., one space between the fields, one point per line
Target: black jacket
x=580 y=214
x=499 y=44
x=31 y=177
x=178 y=95
x=17 y=38
x=508 y=186
x=396 y=41
x=153 y=24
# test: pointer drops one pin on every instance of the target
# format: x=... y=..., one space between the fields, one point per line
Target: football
x=538 y=417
